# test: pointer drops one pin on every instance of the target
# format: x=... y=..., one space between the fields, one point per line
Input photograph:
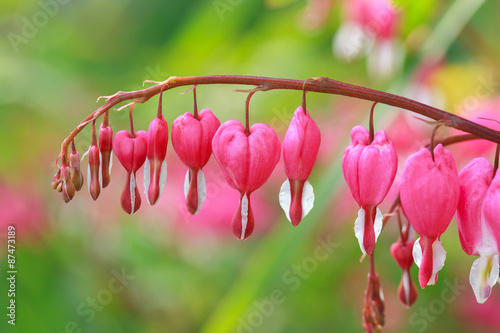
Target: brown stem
x=195 y=111
x=247 y=113
x=105 y=119
x=320 y=84
x=497 y=153
x=132 y=133
x=372 y=129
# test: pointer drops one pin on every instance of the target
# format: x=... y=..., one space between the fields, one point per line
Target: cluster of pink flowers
x=247 y=157
x=431 y=193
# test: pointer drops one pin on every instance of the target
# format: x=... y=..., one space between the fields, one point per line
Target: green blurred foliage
x=85 y=49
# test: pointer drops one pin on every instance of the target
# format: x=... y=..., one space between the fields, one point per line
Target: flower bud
x=155 y=169
x=374 y=307
x=67 y=187
x=300 y=149
x=74 y=164
x=247 y=162
x=94 y=179
x=192 y=141
x=105 y=149
x=402 y=253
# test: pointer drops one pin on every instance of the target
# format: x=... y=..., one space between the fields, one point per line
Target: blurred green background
x=88 y=267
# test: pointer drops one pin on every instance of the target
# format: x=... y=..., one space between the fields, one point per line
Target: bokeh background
x=88 y=267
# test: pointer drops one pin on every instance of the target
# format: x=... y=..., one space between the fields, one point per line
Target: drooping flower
x=155 y=169
x=192 y=141
x=429 y=196
x=370 y=26
x=402 y=252
x=374 y=307
x=247 y=162
x=300 y=149
x=369 y=169
x=131 y=149
x=475 y=234
x=105 y=148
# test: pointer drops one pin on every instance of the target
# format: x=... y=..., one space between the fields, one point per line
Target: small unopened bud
x=57 y=180
x=68 y=188
x=75 y=171
x=374 y=308
x=105 y=148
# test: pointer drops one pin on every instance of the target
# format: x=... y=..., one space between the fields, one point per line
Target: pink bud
x=374 y=307
x=491 y=209
x=300 y=149
x=93 y=176
x=369 y=170
x=131 y=152
x=56 y=181
x=247 y=163
x=74 y=164
x=155 y=169
x=402 y=253
x=192 y=141
x=105 y=148
x=429 y=197
x=67 y=186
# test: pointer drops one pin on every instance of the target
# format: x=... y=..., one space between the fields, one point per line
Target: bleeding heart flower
x=155 y=169
x=474 y=232
x=429 y=197
x=369 y=169
x=300 y=149
x=105 y=148
x=192 y=141
x=131 y=151
x=247 y=162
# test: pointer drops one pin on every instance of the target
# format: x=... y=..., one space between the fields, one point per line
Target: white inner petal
x=132 y=193
x=417 y=253
x=186 y=185
x=147 y=179
x=406 y=285
x=163 y=175
x=88 y=178
x=202 y=190
x=379 y=217
x=359 y=228
x=285 y=198
x=483 y=276
x=100 y=170
x=307 y=198
x=244 y=215
x=110 y=162
x=438 y=258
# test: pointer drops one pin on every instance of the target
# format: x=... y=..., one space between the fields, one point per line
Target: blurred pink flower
x=370 y=26
x=24 y=209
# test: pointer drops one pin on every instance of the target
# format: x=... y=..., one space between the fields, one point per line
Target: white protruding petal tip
x=359 y=229
x=202 y=190
x=483 y=276
x=163 y=175
x=438 y=258
x=285 y=198
x=417 y=252
x=132 y=193
x=147 y=179
x=307 y=198
x=244 y=215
